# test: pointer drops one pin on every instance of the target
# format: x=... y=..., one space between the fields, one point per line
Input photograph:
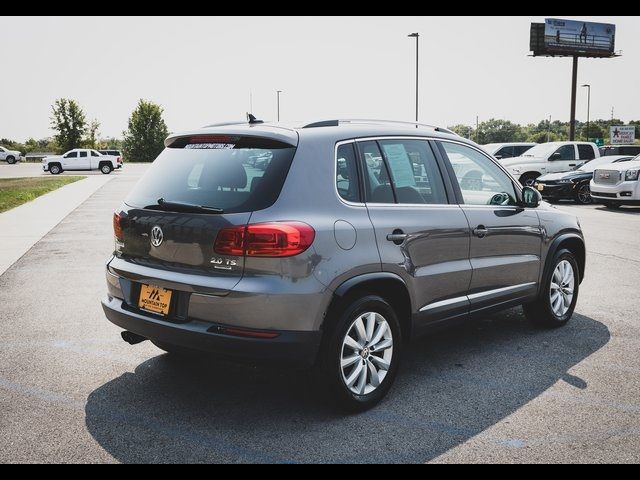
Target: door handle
x=398 y=237
x=481 y=231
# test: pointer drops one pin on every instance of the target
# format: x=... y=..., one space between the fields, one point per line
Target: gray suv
x=346 y=240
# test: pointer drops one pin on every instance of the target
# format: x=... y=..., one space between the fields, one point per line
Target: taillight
x=117 y=226
x=277 y=239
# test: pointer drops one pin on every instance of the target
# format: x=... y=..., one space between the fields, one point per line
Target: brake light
x=276 y=239
x=117 y=226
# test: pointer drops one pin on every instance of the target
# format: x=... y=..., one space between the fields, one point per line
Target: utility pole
x=416 y=35
x=549 y=130
x=588 y=87
x=574 y=84
x=477 y=128
x=278 y=92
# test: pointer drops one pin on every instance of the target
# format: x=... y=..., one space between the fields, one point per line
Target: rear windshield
x=236 y=174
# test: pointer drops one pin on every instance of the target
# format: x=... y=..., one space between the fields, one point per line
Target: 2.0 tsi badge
x=156 y=236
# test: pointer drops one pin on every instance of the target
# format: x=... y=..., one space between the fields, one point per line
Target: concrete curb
x=24 y=226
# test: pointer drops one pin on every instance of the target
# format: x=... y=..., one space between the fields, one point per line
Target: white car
x=10 y=156
x=507 y=150
x=80 y=159
x=552 y=157
x=617 y=184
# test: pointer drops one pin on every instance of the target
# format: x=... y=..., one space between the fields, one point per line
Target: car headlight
x=631 y=175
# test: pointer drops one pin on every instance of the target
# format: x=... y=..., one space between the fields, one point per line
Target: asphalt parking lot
x=497 y=390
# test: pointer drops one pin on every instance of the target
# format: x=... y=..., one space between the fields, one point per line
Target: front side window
x=347 y=173
x=71 y=155
x=586 y=152
x=481 y=181
x=505 y=152
x=566 y=152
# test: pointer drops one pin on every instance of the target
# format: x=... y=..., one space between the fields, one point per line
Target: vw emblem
x=156 y=236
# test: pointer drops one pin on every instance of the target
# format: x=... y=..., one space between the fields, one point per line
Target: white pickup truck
x=81 y=159
x=552 y=157
x=10 y=156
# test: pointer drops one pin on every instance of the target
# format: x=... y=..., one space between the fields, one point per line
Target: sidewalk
x=22 y=227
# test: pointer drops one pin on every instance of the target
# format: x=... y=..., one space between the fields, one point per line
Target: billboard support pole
x=574 y=88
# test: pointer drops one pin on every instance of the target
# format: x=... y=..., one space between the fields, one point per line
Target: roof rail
x=335 y=123
x=224 y=124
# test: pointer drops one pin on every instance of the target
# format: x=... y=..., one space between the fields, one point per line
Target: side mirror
x=556 y=156
x=531 y=197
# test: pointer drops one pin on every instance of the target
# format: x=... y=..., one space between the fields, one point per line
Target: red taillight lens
x=117 y=226
x=230 y=241
x=277 y=239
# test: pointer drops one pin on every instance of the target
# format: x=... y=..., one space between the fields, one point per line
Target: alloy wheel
x=366 y=353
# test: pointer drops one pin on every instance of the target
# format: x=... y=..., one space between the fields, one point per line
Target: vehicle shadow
x=621 y=210
x=453 y=386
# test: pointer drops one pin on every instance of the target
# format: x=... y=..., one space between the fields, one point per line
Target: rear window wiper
x=184 y=207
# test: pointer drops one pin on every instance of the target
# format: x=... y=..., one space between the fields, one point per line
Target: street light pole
x=278 y=92
x=588 y=106
x=416 y=35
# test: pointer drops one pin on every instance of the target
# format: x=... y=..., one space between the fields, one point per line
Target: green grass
x=16 y=191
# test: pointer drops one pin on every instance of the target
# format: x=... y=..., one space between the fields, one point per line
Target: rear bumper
x=299 y=347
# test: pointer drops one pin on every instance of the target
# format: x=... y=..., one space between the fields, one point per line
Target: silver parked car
x=352 y=238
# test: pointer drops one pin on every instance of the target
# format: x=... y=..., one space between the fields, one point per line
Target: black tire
x=583 y=194
x=528 y=179
x=611 y=205
x=106 y=168
x=540 y=312
x=11 y=160
x=55 y=169
x=330 y=370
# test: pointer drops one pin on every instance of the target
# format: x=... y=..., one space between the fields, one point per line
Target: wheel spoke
x=361 y=331
x=348 y=361
x=555 y=287
x=355 y=375
x=381 y=363
x=373 y=374
x=382 y=329
x=362 y=380
x=558 y=304
x=371 y=325
x=383 y=345
x=352 y=344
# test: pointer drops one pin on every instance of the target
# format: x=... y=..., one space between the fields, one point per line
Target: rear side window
x=347 y=173
x=83 y=154
x=402 y=171
x=234 y=173
x=519 y=150
x=586 y=152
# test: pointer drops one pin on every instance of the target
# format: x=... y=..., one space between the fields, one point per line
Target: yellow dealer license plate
x=155 y=299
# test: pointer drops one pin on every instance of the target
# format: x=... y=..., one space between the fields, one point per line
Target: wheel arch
x=387 y=285
x=572 y=242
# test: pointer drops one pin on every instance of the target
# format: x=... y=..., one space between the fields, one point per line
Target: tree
x=144 y=139
x=69 y=123
x=499 y=131
x=92 y=138
x=463 y=130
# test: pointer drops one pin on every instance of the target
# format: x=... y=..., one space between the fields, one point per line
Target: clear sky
x=202 y=70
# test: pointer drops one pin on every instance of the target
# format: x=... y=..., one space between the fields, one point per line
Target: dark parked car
x=574 y=185
x=328 y=258
x=609 y=150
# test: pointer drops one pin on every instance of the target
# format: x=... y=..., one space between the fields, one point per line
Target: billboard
x=573 y=37
x=623 y=135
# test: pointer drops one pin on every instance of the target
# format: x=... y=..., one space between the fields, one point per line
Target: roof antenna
x=252 y=119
